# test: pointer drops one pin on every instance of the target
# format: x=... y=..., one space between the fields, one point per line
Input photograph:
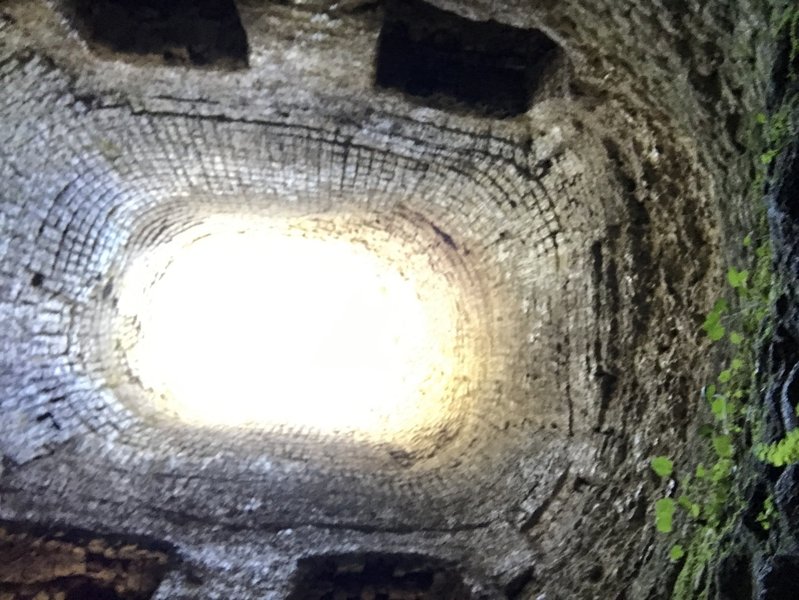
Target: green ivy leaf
x=715 y=331
x=701 y=472
x=723 y=446
x=664 y=515
x=725 y=376
x=782 y=452
x=692 y=508
x=706 y=430
x=736 y=338
x=714 y=318
x=737 y=278
x=662 y=465
x=736 y=364
x=676 y=552
x=721 y=477
x=761 y=119
x=767 y=513
x=768 y=157
x=761 y=452
x=747 y=240
x=719 y=407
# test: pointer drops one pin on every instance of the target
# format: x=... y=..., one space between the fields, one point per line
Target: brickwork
x=583 y=239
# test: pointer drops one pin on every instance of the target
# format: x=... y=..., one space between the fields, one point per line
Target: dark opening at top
x=378 y=576
x=455 y=63
x=192 y=32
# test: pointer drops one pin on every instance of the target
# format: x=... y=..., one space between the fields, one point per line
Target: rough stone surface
x=786 y=496
x=776 y=578
x=586 y=235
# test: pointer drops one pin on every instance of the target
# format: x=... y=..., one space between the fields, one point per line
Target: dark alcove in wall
x=191 y=32
x=71 y=564
x=376 y=576
x=452 y=62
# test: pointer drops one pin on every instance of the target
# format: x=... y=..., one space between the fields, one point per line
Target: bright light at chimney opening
x=270 y=326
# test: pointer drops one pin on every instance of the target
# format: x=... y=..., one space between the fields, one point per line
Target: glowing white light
x=267 y=326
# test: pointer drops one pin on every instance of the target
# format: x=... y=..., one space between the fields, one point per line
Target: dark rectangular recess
x=189 y=32
x=452 y=62
x=38 y=560
x=377 y=575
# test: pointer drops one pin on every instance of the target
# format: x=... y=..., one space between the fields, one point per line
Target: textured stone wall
x=584 y=236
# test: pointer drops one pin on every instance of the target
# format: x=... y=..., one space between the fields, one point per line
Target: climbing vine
x=778 y=131
x=704 y=498
x=782 y=452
